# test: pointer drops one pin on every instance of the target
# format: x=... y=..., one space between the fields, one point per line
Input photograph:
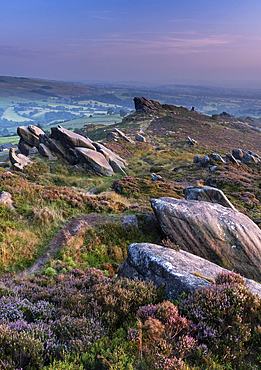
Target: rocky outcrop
x=207 y=194
x=146 y=105
x=70 y=139
x=95 y=160
x=18 y=161
x=71 y=146
x=177 y=272
x=216 y=233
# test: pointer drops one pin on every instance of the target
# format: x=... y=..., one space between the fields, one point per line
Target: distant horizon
x=248 y=85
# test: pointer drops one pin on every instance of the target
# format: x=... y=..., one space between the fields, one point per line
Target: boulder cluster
x=73 y=147
x=204 y=238
x=238 y=156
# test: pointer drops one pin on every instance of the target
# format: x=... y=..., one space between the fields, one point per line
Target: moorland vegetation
x=75 y=312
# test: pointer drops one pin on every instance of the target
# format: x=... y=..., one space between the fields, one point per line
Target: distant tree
x=110 y=111
x=39 y=125
x=123 y=113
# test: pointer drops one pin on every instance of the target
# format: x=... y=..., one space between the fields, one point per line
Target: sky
x=204 y=42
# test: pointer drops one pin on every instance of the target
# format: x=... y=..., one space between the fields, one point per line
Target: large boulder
x=70 y=139
x=95 y=160
x=219 y=234
x=207 y=194
x=30 y=134
x=177 y=272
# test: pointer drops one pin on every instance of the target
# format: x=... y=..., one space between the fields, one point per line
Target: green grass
x=9 y=139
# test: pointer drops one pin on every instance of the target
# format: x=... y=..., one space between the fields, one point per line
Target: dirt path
x=72 y=229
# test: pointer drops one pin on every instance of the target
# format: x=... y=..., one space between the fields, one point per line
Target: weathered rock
x=111 y=136
x=116 y=167
x=35 y=130
x=95 y=160
x=237 y=153
x=45 y=152
x=212 y=169
x=109 y=154
x=6 y=198
x=178 y=272
x=207 y=194
x=122 y=135
x=18 y=161
x=70 y=139
x=155 y=177
x=54 y=145
x=219 y=234
x=216 y=157
x=130 y=222
x=191 y=141
x=231 y=158
x=249 y=158
x=33 y=151
x=140 y=138
x=146 y=105
x=30 y=134
x=204 y=162
x=196 y=159
x=24 y=147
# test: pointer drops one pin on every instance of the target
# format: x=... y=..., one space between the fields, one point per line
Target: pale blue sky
x=199 y=41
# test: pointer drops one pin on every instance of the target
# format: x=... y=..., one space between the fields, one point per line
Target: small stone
x=6 y=198
x=130 y=222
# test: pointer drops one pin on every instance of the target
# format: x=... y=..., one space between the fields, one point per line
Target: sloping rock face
x=216 y=233
x=109 y=154
x=146 y=105
x=207 y=194
x=30 y=134
x=177 y=271
x=140 y=138
x=29 y=137
x=18 y=161
x=96 y=161
x=70 y=139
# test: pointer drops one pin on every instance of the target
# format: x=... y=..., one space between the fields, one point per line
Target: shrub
x=226 y=316
x=161 y=336
x=49 y=271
